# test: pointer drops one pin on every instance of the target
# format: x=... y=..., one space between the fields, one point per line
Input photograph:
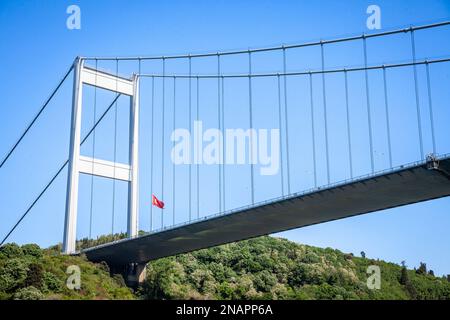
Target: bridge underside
x=382 y=191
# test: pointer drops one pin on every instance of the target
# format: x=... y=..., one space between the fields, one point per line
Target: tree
x=264 y=281
x=13 y=274
x=363 y=254
x=448 y=277
x=34 y=276
x=422 y=268
x=32 y=250
x=10 y=250
x=404 y=279
x=411 y=290
x=431 y=273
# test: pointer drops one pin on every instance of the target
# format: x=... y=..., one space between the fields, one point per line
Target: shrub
x=32 y=250
x=10 y=250
x=13 y=274
x=52 y=283
x=103 y=266
x=118 y=278
x=28 y=293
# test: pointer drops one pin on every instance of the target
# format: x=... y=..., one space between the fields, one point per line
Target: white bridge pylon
x=97 y=167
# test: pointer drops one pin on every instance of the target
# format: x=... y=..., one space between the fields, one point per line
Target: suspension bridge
x=352 y=140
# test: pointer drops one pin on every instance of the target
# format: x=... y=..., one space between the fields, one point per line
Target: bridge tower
x=84 y=75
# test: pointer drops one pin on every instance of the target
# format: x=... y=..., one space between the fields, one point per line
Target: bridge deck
x=385 y=190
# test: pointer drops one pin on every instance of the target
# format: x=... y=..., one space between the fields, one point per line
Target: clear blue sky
x=38 y=48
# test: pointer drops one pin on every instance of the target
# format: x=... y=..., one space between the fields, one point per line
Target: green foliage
x=28 y=272
x=52 y=283
x=28 y=293
x=87 y=243
x=270 y=268
x=262 y=268
x=34 y=276
x=10 y=250
x=422 y=268
x=32 y=250
x=13 y=274
x=404 y=279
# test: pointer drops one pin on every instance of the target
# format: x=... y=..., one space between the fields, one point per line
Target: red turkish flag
x=157 y=203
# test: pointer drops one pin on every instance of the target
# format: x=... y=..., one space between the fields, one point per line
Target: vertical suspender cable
x=173 y=146
x=219 y=120
x=190 y=132
x=281 y=139
x=115 y=153
x=198 y=151
x=139 y=126
x=151 y=151
x=325 y=111
x=369 y=121
x=162 y=137
x=430 y=105
x=286 y=119
x=416 y=89
x=349 y=137
x=388 y=125
x=93 y=152
x=313 y=131
x=223 y=143
x=250 y=107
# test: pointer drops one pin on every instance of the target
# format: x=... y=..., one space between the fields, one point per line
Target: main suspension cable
x=57 y=173
x=38 y=114
x=277 y=48
x=303 y=73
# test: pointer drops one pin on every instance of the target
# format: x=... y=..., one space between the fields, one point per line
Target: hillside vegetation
x=30 y=273
x=262 y=268
x=271 y=268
